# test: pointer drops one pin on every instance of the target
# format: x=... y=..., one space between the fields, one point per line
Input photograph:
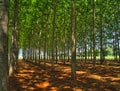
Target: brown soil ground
x=31 y=77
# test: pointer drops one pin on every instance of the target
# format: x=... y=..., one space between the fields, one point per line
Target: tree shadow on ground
x=30 y=77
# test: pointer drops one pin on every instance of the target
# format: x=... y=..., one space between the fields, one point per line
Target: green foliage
x=108 y=51
x=35 y=21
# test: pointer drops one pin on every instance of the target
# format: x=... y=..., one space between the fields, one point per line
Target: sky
x=20 y=54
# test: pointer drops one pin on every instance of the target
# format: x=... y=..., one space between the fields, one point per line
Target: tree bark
x=14 y=42
x=94 y=38
x=4 y=5
x=73 y=26
x=53 y=33
x=56 y=47
x=101 y=37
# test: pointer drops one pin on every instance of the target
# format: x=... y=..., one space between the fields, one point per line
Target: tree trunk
x=56 y=47
x=53 y=33
x=118 y=45
x=68 y=52
x=45 y=39
x=94 y=38
x=4 y=5
x=115 y=42
x=101 y=37
x=36 y=55
x=73 y=26
x=23 y=53
x=85 y=41
x=91 y=53
x=117 y=38
x=85 y=53
x=64 y=61
x=39 y=56
x=14 y=42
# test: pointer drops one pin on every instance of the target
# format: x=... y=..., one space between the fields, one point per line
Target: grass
x=97 y=57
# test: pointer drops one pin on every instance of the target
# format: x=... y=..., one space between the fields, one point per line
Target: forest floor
x=31 y=77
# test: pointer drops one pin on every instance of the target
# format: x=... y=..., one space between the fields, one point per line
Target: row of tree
x=4 y=9
x=57 y=27
x=47 y=27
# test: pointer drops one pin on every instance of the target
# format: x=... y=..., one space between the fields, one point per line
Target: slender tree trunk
x=85 y=53
x=39 y=55
x=64 y=61
x=94 y=38
x=29 y=55
x=33 y=56
x=23 y=53
x=56 y=43
x=47 y=54
x=59 y=54
x=117 y=38
x=85 y=41
x=101 y=38
x=4 y=5
x=53 y=33
x=14 y=42
x=39 y=50
x=56 y=47
x=119 y=51
x=73 y=26
x=91 y=53
x=36 y=55
x=115 y=42
x=68 y=52
x=118 y=44
x=45 y=39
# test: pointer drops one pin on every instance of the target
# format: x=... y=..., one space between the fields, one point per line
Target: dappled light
x=81 y=72
x=59 y=45
x=42 y=85
x=30 y=77
x=96 y=77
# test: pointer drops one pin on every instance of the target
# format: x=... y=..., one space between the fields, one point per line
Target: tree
x=14 y=42
x=4 y=6
x=94 y=38
x=49 y=29
x=53 y=32
x=101 y=35
x=73 y=51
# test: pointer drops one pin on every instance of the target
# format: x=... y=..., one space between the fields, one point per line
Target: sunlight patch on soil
x=80 y=72
x=21 y=80
x=77 y=89
x=30 y=77
x=64 y=75
x=53 y=89
x=23 y=75
x=31 y=88
x=60 y=77
x=27 y=88
x=43 y=84
x=66 y=87
x=66 y=69
x=96 y=77
x=30 y=71
x=112 y=78
x=115 y=83
x=24 y=86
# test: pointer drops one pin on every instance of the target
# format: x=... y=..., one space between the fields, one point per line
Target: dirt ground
x=31 y=77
